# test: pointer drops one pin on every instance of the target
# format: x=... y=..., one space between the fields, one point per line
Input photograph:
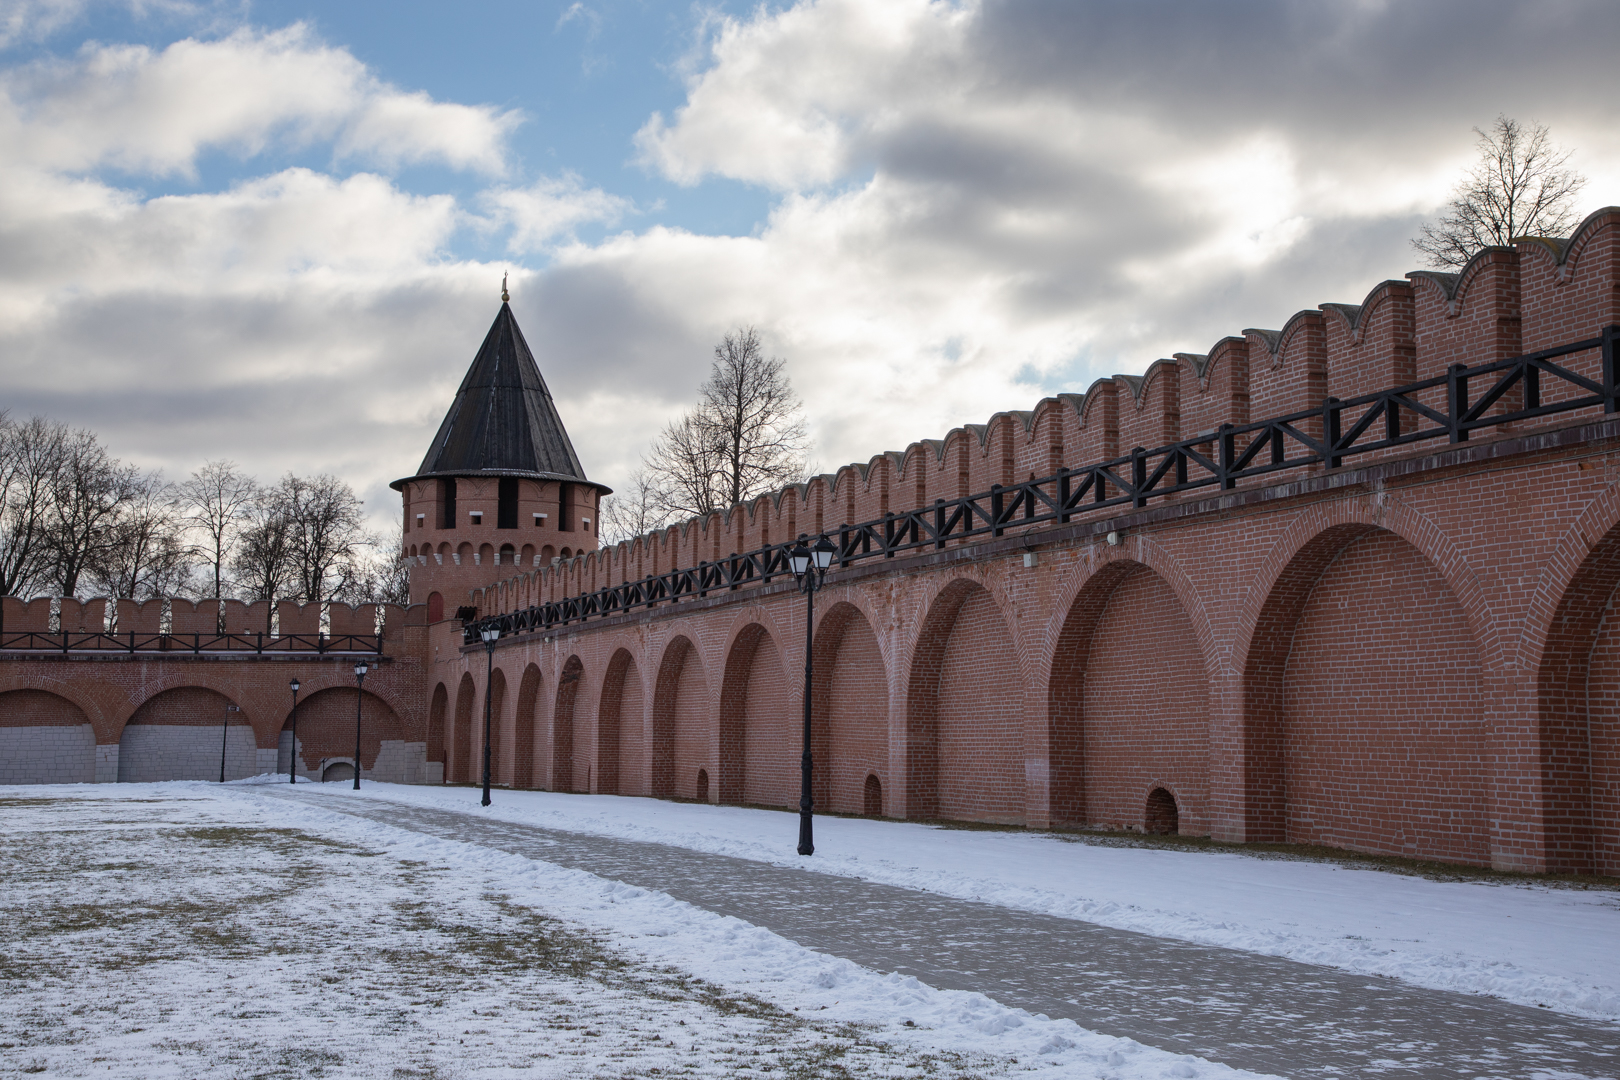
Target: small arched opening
x=703 y=785
x=338 y=770
x=872 y=803
x=1162 y=817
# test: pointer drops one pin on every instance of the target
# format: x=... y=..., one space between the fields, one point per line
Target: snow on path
x=898 y=1011
x=1523 y=942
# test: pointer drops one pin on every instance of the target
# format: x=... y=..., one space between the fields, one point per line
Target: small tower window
x=477 y=516
x=506 y=510
x=447 y=503
x=565 y=492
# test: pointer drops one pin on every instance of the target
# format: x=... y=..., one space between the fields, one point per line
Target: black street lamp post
x=292 y=758
x=490 y=635
x=810 y=569
x=360 y=670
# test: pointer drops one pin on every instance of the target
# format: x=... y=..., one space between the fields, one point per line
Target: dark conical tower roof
x=503 y=419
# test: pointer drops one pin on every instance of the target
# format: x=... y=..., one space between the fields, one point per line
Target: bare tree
x=90 y=491
x=634 y=511
x=382 y=576
x=216 y=503
x=326 y=534
x=746 y=437
x=146 y=555
x=262 y=564
x=1520 y=186
x=30 y=458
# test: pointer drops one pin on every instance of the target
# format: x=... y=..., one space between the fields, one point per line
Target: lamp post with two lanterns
x=360 y=670
x=490 y=635
x=292 y=758
x=810 y=570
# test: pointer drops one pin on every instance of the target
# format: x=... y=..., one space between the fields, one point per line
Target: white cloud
x=973 y=206
x=153 y=112
x=536 y=215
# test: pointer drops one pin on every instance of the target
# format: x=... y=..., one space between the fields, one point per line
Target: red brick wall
x=773 y=738
x=852 y=692
x=980 y=725
x=1385 y=740
x=1145 y=708
x=326 y=726
x=37 y=708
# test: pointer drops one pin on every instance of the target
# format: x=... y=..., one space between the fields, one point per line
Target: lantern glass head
x=360 y=669
x=491 y=635
x=294 y=686
x=799 y=559
x=824 y=553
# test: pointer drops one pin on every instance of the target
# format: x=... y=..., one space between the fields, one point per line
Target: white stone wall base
x=48 y=754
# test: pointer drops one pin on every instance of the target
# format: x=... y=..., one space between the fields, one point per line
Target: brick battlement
x=1505 y=302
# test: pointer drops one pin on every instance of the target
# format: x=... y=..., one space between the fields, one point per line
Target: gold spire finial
x=504 y=296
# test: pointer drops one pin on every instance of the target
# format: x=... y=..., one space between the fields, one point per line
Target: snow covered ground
x=1527 y=943
x=187 y=929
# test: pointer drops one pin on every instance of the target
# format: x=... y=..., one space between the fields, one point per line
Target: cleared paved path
x=1253 y=1012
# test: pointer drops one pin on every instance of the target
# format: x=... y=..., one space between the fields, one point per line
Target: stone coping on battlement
x=1478 y=453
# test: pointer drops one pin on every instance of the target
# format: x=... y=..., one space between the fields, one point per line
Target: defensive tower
x=500 y=487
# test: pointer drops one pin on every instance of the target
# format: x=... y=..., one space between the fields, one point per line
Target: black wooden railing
x=200 y=644
x=1533 y=385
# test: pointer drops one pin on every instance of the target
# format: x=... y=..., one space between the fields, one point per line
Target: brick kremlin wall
x=1412 y=653
x=1409 y=654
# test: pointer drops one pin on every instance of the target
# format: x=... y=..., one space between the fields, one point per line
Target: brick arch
x=525 y=724
x=849 y=730
x=621 y=687
x=1569 y=648
x=1377 y=511
x=681 y=678
x=1128 y=696
x=45 y=739
x=461 y=730
x=1359 y=603
x=326 y=726
x=928 y=598
x=964 y=745
x=562 y=725
x=102 y=715
x=177 y=734
x=438 y=708
x=752 y=704
x=1092 y=572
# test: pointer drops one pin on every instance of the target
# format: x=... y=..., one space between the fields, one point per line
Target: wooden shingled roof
x=503 y=419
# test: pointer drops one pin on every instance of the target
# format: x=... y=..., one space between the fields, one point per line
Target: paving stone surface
x=1254 y=1012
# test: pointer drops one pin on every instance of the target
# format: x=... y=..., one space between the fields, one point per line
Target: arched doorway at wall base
x=562 y=728
x=1128 y=699
x=872 y=797
x=1578 y=720
x=526 y=725
x=849 y=729
x=1162 y=817
x=756 y=722
x=703 y=785
x=680 y=706
x=326 y=733
x=964 y=729
x=338 y=771
x=617 y=731
x=1363 y=708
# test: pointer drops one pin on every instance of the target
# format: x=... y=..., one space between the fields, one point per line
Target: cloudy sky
x=275 y=231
